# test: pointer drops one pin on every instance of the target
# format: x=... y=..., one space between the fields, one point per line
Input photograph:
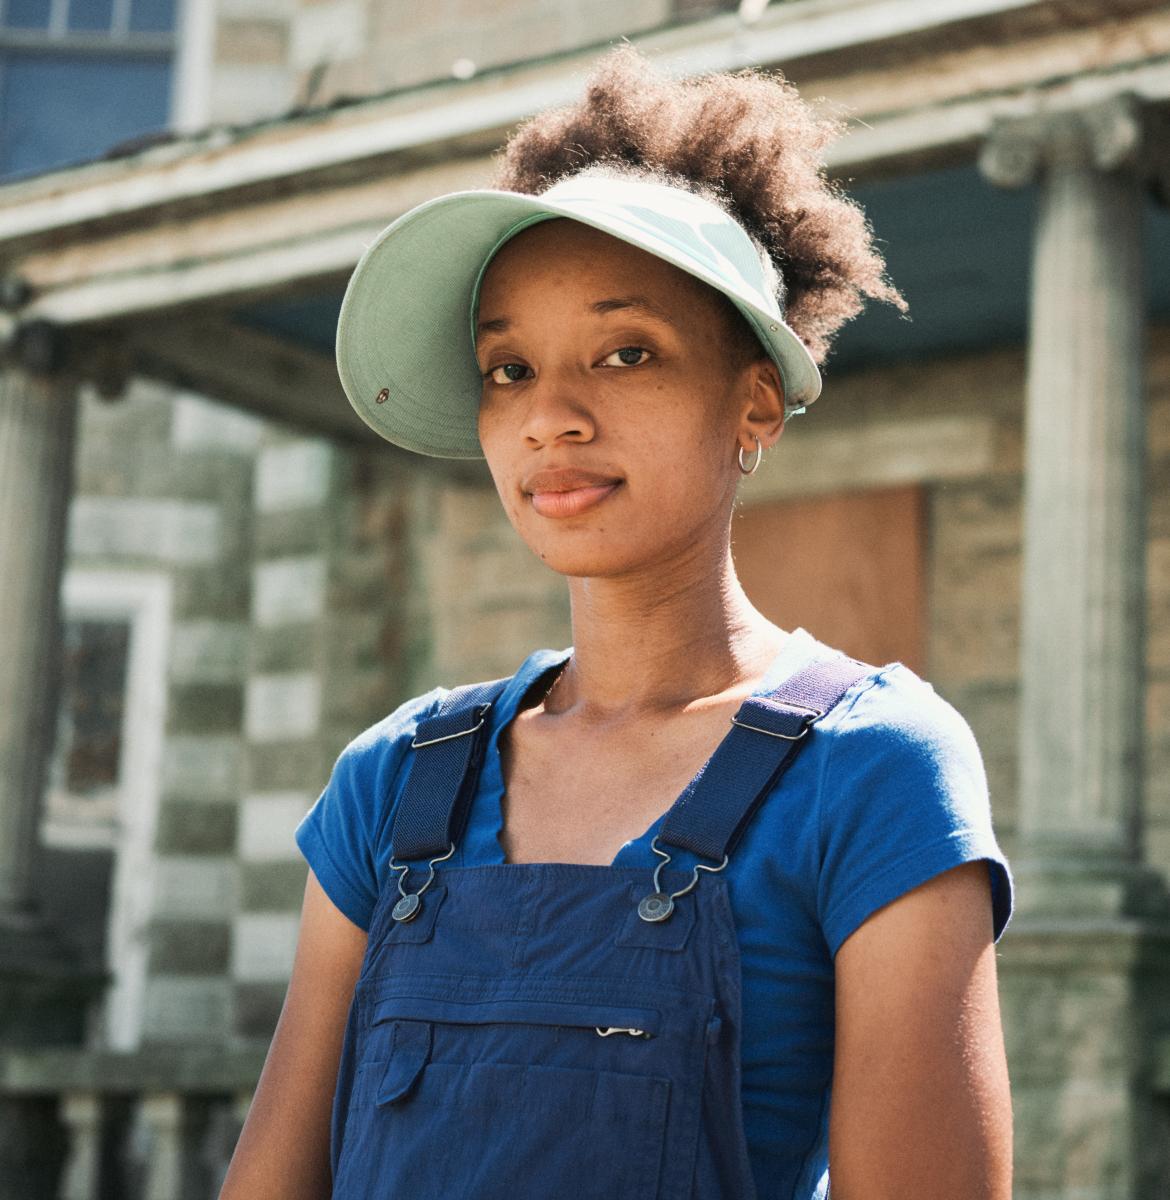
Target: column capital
x=38 y=347
x=47 y=351
x=1119 y=133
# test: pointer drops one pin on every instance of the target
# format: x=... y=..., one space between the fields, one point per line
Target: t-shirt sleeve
x=343 y=833
x=903 y=796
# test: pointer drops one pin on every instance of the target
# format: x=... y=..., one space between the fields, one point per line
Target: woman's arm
x=283 y=1151
x=921 y=1107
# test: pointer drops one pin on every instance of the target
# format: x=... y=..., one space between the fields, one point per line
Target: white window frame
x=192 y=65
x=144 y=600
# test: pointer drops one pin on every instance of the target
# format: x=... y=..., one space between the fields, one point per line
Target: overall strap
x=448 y=752
x=712 y=814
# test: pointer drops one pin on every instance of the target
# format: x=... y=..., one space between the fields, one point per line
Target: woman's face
x=617 y=391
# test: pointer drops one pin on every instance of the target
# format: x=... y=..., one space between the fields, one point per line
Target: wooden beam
x=253 y=370
x=261 y=273
x=951 y=133
x=310 y=240
x=235 y=232
x=313 y=238
x=878 y=88
x=50 y=1070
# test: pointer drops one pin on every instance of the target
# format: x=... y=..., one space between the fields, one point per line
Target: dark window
x=79 y=77
x=80 y=827
x=91 y=14
x=26 y=14
x=104 y=16
x=92 y=704
x=153 y=15
x=58 y=109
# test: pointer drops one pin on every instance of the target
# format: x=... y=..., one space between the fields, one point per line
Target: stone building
x=247 y=577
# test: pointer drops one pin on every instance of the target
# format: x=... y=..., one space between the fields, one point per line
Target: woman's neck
x=648 y=646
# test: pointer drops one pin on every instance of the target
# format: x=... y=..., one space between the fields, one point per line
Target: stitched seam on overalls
x=458 y=983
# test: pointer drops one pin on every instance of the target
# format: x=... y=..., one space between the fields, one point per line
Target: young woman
x=699 y=906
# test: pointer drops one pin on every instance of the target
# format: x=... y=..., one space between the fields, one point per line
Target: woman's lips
x=570 y=503
x=567 y=491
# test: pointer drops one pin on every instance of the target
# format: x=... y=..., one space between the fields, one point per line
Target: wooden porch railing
x=159 y=1124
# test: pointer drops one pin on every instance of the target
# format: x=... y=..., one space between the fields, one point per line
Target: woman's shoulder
x=894 y=748
x=891 y=710
x=902 y=794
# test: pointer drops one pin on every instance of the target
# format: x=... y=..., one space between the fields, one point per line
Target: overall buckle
x=658 y=906
x=407 y=908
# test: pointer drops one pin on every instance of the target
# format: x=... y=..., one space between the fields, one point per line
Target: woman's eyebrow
x=614 y=303
x=608 y=305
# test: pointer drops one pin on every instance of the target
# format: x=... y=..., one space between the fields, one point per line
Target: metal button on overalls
x=543 y=1030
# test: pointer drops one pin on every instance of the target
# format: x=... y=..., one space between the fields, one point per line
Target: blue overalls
x=531 y=1031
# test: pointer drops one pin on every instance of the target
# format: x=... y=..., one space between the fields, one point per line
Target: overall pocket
x=494 y=1099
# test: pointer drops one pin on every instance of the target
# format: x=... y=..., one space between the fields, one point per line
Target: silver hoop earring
x=759 y=454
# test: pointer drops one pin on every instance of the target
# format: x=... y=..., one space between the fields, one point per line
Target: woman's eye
x=625 y=362
x=513 y=372
x=506 y=367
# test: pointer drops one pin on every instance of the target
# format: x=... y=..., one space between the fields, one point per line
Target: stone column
x=37 y=419
x=1082 y=625
x=38 y=413
x=1085 y=967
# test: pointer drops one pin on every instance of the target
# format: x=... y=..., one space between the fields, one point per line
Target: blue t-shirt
x=890 y=791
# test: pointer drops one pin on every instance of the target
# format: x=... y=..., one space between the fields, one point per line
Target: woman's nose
x=556 y=409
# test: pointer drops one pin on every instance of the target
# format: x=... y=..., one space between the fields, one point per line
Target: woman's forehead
x=563 y=253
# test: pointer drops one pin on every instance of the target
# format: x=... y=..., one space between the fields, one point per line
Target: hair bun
x=744 y=139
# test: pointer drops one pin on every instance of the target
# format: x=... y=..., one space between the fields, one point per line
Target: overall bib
x=531 y=1031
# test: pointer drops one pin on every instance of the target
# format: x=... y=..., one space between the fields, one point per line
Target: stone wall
x=273 y=55
x=252 y=75
x=492 y=601
x=360 y=47
x=331 y=652
x=285 y=560
x=974 y=578
x=162 y=486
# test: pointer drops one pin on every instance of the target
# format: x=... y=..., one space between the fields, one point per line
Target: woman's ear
x=764 y=412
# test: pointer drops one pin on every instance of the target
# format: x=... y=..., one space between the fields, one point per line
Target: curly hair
x=745 y=140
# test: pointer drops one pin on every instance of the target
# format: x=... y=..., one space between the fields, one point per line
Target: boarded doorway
x=849 y=567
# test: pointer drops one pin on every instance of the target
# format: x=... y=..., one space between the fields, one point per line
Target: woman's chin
x=583 y=561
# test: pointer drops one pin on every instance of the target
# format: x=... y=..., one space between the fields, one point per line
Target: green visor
x=405 y=336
